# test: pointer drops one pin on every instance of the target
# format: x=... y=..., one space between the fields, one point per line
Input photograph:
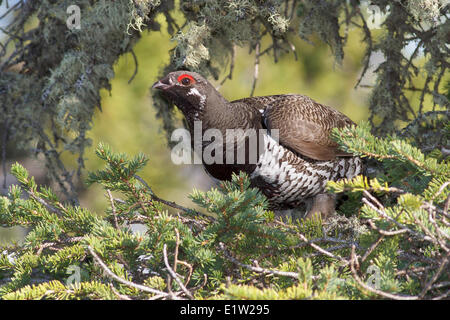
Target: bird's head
x=189 y=91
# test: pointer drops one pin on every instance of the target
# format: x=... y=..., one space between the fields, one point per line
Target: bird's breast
x=287 y=178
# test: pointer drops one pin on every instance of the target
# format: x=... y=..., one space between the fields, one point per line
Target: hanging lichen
x=51 y=75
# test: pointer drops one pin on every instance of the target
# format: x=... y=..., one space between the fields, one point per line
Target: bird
x=295 y=155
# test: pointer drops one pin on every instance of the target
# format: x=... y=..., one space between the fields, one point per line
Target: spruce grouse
x=291 y=165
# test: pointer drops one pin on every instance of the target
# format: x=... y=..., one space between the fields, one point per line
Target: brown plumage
x=304 y=125
x=289 y=172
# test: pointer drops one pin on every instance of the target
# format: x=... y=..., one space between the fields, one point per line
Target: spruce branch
x=433 y=279
x=170 y=203
x=384 y=215
x=321 y=251
x=126 y=282
x=353 y=267
x=48 y=206
x=264 y=271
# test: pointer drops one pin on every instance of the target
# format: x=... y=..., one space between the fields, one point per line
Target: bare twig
x=113 y=208
x=256 y=70
x=312 y=243
x=136 y=66
x=435 y=276
x=422 y=116
x=446 y=205
x=385 y=216
x=441 y=188
x=372 y=248
x=48 y=206
x=54 y=161
x=118 y=294
x=291 y=47
x=441 y=285
x=176 y=261
x=174 y=275
x=230 y=74
x=170 y=203
x=4 y=140
x=330 y=249
x=442 y=296
x=434 y=239
x=14 y=7
x=323 y=251
x=344 y=243
x=126 y=282
x=177 y=245
x=384 y=232
x=373 y=199
x=368 y=38
x=353 y=261
x=414 y=270
x=203 y=284
x=51 y=245
x=256 y=269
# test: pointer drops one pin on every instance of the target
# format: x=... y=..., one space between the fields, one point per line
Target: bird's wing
x=304 y=125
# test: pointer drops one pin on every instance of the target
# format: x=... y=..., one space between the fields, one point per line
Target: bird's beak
x=163 y=84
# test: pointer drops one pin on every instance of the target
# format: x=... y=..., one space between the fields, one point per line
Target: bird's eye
x=185 y=79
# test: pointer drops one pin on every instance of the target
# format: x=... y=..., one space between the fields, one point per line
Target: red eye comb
x=180 y=78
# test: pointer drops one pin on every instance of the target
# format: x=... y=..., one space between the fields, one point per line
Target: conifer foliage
x=389 y=240
x=396 y=247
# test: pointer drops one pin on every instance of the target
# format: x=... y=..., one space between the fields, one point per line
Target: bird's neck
x=215 y=114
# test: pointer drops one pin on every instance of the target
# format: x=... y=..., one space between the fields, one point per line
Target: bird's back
x=304 y=158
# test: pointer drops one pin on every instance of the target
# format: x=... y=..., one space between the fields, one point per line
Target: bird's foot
x=322 y=205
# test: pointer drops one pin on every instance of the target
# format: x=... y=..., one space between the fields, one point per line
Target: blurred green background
x=129 y=125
